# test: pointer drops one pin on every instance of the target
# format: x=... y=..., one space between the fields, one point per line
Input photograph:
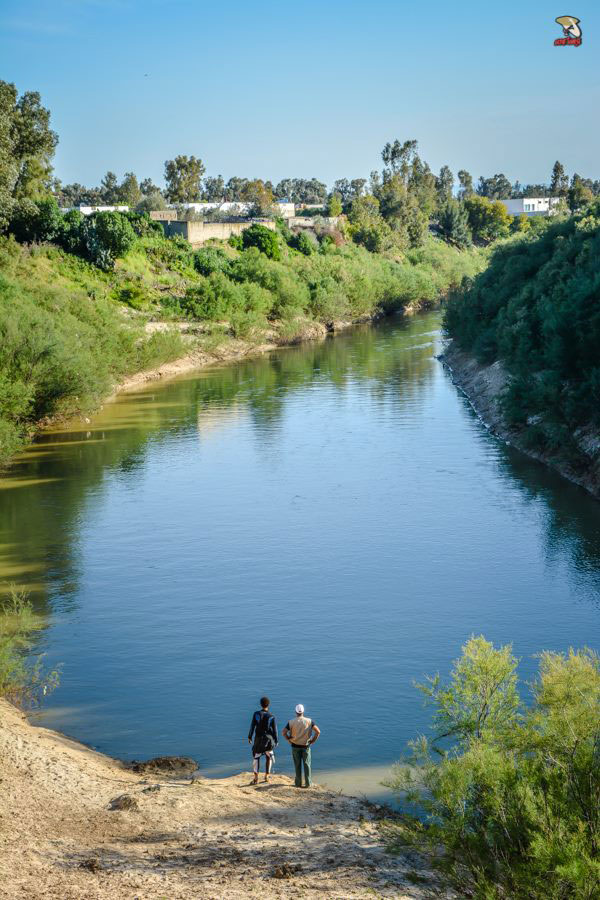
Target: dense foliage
x=508 y=794
x=63 y=340
x=537 y=308
x=263 y=239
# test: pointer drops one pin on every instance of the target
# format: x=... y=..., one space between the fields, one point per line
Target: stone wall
x=197 y=233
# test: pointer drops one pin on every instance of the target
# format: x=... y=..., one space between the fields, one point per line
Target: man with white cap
x=301 y=733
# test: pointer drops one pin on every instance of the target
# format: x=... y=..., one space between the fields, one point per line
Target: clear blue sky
x=308 y=88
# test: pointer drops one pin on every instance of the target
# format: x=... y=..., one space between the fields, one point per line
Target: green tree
x=498 y=187
x=260 y=197
x=129 y=192
x=559 y=183
x=401 y=210
x=488 y=220
x=151 y=201
x=234 y=189
x=398 y=158
x=334 y=205
x=38 y=220
x=109 y=188
x=444 y=185
x=214 y=188
x=27 y=146
x=453 y=223
x=579 y=194
x=147 y=186
x=183 y=177
x=465 y=179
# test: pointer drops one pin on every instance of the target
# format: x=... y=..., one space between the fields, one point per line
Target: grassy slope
x=69 y=331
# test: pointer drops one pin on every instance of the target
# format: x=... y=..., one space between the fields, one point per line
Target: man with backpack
x=263 y=728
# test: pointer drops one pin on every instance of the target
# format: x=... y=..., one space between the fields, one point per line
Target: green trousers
x=302 y=755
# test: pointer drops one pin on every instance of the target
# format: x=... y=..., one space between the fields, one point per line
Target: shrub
x=107 y=236
x=63 y=342
x=334 y=205
x=303 y=243
x=173 y=253
x=71 y=234
x=263 y=239
x=210 y=259
x=488 y=219
x=236 y=242
x=506 y=798
x=22 y=683
x=36 y=221
x=454 y=224
x=142 y=224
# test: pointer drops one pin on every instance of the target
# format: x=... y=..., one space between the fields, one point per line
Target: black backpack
x=264 y=742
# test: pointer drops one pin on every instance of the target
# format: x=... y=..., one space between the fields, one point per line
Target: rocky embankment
x=484 y=385
x=76 y=825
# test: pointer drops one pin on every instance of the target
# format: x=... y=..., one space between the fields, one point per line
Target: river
x=325 y=524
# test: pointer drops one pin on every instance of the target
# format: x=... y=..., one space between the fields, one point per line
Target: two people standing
x=301 y=732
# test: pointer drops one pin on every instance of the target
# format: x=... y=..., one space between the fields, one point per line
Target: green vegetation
x=21 y=682
x=508 y=794
x=536 y=308
x=63 y=338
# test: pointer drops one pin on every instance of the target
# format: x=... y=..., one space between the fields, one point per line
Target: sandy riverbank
x=484 y=385
x=60 y=838
x=231 y=350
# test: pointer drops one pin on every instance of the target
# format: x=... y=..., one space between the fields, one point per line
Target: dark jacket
x=264 y=729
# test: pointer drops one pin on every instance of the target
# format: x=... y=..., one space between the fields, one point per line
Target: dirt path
x=59 y=837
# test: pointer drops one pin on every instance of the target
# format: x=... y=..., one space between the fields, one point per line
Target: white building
x=531 y=206
x=285 y=209
x=88 y=210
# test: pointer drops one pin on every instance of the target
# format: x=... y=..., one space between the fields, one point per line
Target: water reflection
x=43 y=495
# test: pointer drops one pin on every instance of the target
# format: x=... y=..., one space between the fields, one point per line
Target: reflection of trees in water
x=46 y=491
x=570 y=517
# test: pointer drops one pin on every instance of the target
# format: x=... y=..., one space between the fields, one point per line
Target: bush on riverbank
x=22 y=683
x=510 y=793
x=63 y=341
x=537 y=308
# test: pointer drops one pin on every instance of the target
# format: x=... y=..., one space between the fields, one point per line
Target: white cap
x=300 y=709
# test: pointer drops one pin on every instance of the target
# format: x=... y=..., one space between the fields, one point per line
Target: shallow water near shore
x=325 y=524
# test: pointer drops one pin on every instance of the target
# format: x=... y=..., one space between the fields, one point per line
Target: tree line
x=392 y=210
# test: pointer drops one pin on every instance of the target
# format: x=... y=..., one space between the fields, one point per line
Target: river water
x=325 y=524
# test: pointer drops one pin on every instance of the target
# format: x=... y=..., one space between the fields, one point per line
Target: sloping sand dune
x=59 y=837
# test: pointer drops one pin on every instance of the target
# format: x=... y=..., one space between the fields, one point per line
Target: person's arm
x=287 y=734
x=274 y=730
x=316 y=731
x=252 y=727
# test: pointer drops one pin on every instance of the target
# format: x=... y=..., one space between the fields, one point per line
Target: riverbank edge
x=231 y=351
x=234 y=350
x=85 y=824
x=483 y=387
